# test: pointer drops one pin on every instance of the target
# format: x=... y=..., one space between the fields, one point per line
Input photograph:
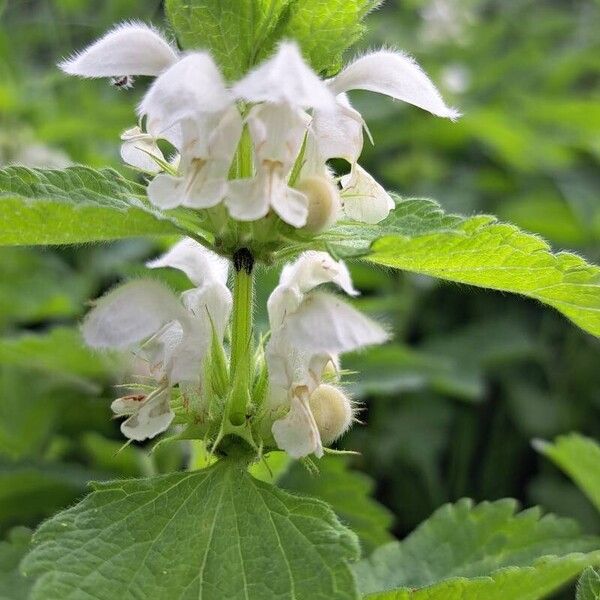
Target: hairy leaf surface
x=482 y=252
x=465 y=541
x=349 y=493
x=77 y=205
x=237 y=34
x=588 y=586
x=212 y=534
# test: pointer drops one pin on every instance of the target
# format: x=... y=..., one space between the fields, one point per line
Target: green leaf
x=482 y=252
x=467 y=541
x=588 y=586
x=241 y=34
x=76 y=205
x=59 y=351
x=237 y=34
x=32 y=490
x=412 y=217
x=350 y=495
x=578 y=457
x=528 y=583
x=325 y=30
x=13 y=586
x=215 y=533
x=29 y=409
x=394 y=368
x=37 y=286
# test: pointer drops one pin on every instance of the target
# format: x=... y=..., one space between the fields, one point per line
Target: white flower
x=339 y=133
x=292 y=116
x=285 y=87
x=309 y=330
x=174 y=335
x=128 y=49
x=190 y=106
x=139 y=148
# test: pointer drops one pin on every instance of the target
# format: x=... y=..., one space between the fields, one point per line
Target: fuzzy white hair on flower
x=285 y=78
x=283 y=86
x=127 y=49
x=338 y=133
x=309 y=330
x=190 y=105
x=172 y=334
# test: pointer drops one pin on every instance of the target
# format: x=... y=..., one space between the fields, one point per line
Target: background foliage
x=471 y=378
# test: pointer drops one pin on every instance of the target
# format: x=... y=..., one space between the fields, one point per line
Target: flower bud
x=324 y=203
x=332 y=411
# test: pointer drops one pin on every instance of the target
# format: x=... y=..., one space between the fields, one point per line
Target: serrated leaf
x=527 y=583
x=412 y=217
x=325 y=30
x=578 y=457
x=467 y=541
x=241 y=34
x=215 y=533
x=349 y=493
x=13 y=586
x=482 y=252
x=77 y=205
x=588 y=586
x=237 y=34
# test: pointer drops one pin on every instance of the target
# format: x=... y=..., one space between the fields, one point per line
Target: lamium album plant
x=244 y=156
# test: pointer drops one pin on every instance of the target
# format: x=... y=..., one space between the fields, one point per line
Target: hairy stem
x=242 y=349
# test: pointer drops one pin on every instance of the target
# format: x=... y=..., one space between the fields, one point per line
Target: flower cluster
x=296 y=123
x=254 y=149
x=309 y=331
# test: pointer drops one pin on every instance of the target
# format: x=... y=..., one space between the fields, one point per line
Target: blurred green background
x=452 y=404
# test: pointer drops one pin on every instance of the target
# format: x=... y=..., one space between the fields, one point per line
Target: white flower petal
x=189 y=88
x=297 y=432
x=211 y=303
x=285 y=78
x=246 y=200
x=197 y=262
x=291 y=206
x=225 y=137
x=130 y=314
x=186 y=362
x=313 y=268
x=326 y=325
x=212 y=135
x=364 y=199
x=339 y=133
x=138 y=148
x=128 y=49
x=205 y=183
x=310 y=270
x=160 y=349
x=277 y=132
x=166 y=191
x=396 y=75
x=127 y=405
x=153 y=417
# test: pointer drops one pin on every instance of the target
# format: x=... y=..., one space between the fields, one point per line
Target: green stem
x=242 y=349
